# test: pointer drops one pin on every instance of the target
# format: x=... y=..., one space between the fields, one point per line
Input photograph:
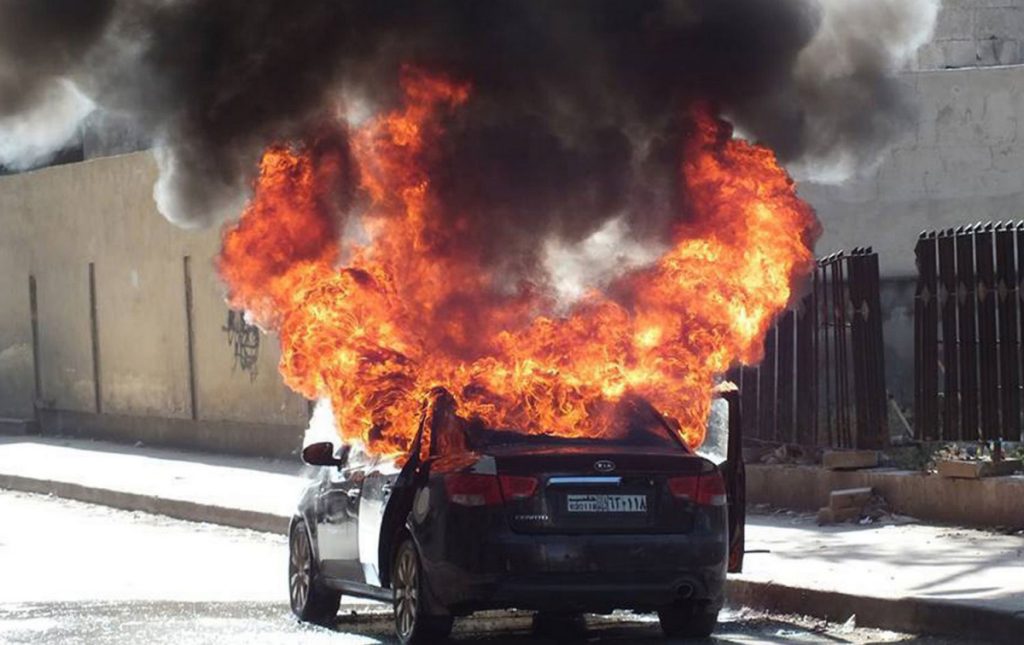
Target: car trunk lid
x=598 y=490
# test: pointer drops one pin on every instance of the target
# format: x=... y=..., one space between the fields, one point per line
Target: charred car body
x=481 y=519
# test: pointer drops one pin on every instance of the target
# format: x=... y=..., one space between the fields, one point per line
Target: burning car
x=474 y=518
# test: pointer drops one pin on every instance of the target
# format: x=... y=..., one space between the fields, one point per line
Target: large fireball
x=375 y=325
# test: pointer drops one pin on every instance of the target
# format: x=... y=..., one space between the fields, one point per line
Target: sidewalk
x=906 y=577
x=901 y=576
x=234 y=491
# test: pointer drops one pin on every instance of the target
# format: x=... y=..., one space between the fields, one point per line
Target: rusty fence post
x=766 y=389
x=1006 y=294
x=749 y=413
x=966 y=315
x=841 y=309
x=806 y=383
x=858 y=355
x=825 y=353
x=926 y=351
x=948 y=309
x=988 y=354
x=784 y=377
x=1020 y=300
x=879 y=396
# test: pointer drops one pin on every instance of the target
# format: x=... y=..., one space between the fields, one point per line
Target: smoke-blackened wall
x=577 y=106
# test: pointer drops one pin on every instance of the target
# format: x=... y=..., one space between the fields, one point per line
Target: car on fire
x=473 y=518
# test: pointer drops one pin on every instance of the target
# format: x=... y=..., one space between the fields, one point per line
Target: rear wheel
x=412 y=623
x=688 y=620
x=311 y=601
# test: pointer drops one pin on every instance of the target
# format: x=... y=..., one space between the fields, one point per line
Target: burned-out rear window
x=639 y=426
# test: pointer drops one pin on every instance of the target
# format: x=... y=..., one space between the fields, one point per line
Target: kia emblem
x=604 y=465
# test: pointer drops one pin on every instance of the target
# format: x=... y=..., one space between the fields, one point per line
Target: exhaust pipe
x=685 y=591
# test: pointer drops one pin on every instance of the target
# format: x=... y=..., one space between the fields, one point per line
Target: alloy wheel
x=406 y=593
x=299 y=571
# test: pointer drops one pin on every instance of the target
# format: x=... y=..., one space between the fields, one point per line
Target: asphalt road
x=73 y=573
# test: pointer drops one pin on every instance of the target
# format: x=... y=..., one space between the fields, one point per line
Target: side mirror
x=322 y=454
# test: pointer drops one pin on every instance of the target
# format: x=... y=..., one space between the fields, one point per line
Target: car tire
x=688 y=620
x=412 y=623
x=311 y=601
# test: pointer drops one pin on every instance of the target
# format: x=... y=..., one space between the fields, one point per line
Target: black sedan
x=478 y=518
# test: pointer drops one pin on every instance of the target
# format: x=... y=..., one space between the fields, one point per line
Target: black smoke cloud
x=576 y=112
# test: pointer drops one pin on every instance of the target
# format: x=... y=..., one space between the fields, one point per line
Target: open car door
x=396 y=489
x=724 y=446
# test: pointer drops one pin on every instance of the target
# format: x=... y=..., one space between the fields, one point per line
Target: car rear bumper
x=594 y=573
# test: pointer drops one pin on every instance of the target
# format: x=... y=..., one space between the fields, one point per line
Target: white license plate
x=606 y=503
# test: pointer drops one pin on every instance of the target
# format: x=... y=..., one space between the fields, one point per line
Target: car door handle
x=385 y=490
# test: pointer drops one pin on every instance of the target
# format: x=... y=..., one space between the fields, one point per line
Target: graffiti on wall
x=244 y=340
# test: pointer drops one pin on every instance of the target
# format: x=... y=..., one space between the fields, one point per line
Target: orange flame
x=411 y=309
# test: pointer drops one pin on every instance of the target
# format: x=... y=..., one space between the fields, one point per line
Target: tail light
x=471 y=489
x=707 y=489
x=513 y=487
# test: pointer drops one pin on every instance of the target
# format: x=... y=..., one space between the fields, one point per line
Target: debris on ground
x=977 y=460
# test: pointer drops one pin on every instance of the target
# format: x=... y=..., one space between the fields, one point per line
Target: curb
x=908 y=615
x=175 y=508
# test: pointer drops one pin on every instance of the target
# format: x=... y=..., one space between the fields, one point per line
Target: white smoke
x=192 y=199
x=574 y=269
x=33 y=137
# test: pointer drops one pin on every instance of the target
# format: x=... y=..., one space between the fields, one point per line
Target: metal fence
x=967 y=336
x=822 y=380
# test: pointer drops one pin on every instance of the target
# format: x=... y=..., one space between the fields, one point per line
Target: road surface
x=73 y=573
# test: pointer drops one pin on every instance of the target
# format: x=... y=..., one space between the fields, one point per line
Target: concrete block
x=930 y=56
x=828 y=515
x=959 y=53
x=849 y=459
x=849 y=498
x=977 y=469
x=954 y=23
x=1009 y=53
x=997 y=22
x=987 y=52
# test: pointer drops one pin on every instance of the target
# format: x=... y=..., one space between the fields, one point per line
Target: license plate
x=606 y=503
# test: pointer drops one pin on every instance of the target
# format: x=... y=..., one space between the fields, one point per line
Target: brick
x=854 y=498
x=828 y=516
x=977 y=469
x=849 y=459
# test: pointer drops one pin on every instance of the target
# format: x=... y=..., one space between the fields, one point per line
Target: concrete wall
x=972 y=33
x=993 y=501
x=58 y=221
x=962 y=163
x=16 y=372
